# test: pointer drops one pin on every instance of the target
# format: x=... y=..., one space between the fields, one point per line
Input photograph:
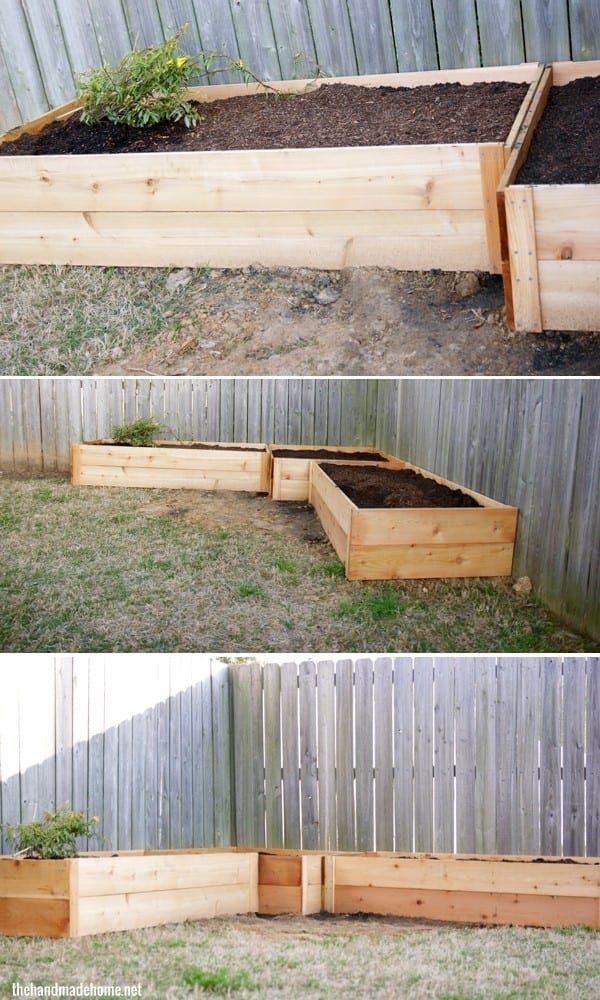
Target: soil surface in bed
x=566 y=144
x=332 y=115
x=194 y=445
x=355 y=456
x=377 y=487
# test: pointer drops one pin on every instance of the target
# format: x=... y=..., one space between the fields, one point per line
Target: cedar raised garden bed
x=290 y=882
x=92 y=895
x=418 y=541
x=95 y=894
x=551 y=239
x=290 y=465
x=525 y=891
x=178 y=464
x=408 y=206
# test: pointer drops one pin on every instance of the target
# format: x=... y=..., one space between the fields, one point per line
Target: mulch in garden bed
x=194 y=445
x=566 y=144
x=377 y=487
x=332 y=115
x=359 y=456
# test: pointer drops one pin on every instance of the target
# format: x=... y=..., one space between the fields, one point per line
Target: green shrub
x=139 y=434
x=53 y=837
x=144 y=88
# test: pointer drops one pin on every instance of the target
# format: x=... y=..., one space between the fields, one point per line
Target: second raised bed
x=418 y=542
x=290 y=465
x=173 y=464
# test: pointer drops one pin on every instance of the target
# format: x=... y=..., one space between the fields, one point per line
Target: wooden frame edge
x=520 y=148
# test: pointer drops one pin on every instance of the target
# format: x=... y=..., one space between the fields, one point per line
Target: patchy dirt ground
x=318 y=957
x=357 y=322
x=257 y=321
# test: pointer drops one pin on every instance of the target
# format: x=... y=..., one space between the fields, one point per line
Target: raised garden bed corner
x=415 y=543
x=550 y=233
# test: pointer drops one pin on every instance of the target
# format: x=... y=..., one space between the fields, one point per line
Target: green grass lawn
x=318 y=957
x=132 y=570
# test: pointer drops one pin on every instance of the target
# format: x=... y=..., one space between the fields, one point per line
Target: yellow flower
x=182 y=61
x=95 y=819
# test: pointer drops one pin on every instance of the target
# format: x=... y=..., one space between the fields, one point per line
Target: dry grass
x=317 y=957
x=132 y=570
x=69 y=320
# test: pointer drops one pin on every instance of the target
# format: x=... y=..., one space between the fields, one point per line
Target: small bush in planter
x=146 y=87
x=139 y=434
x=52 y=838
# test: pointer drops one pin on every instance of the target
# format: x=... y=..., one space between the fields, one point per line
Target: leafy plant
x=139 y=434
x=146 y=87
x=53 y=837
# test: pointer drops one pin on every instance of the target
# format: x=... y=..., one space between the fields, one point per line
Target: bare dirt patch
x=259 y=321
x=362 y=321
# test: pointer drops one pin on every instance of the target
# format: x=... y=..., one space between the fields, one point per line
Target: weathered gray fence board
x=585 y=28
x=486 y=775
x=383 y=702
x=444 y=713
x=456 y=32
x=326 y=758
x=500 y=32
x=414 y=35
x=363 y=753
x=546 y=30
x=593 y=757
x=527 y=739
x=307 y=690
x=44 y=44
x=403 y=753
x=373 y=36
x=344 y=769
x=573 y=739
x=294 y=40
x=290 y=756
x=273 y=789
x=550 y=763
x=424 y=743
x=464 y=709
x=221 y=765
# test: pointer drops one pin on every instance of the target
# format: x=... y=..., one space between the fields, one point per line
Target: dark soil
x=184 y=444
x=359 y=456
x=377 y=487
x=333 y=115
x=566 y=144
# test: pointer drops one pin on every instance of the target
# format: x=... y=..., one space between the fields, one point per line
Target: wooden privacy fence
x=494 y=755
x=44 y=44
x=141 y=742
x=41 y=418
x=531 y=443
